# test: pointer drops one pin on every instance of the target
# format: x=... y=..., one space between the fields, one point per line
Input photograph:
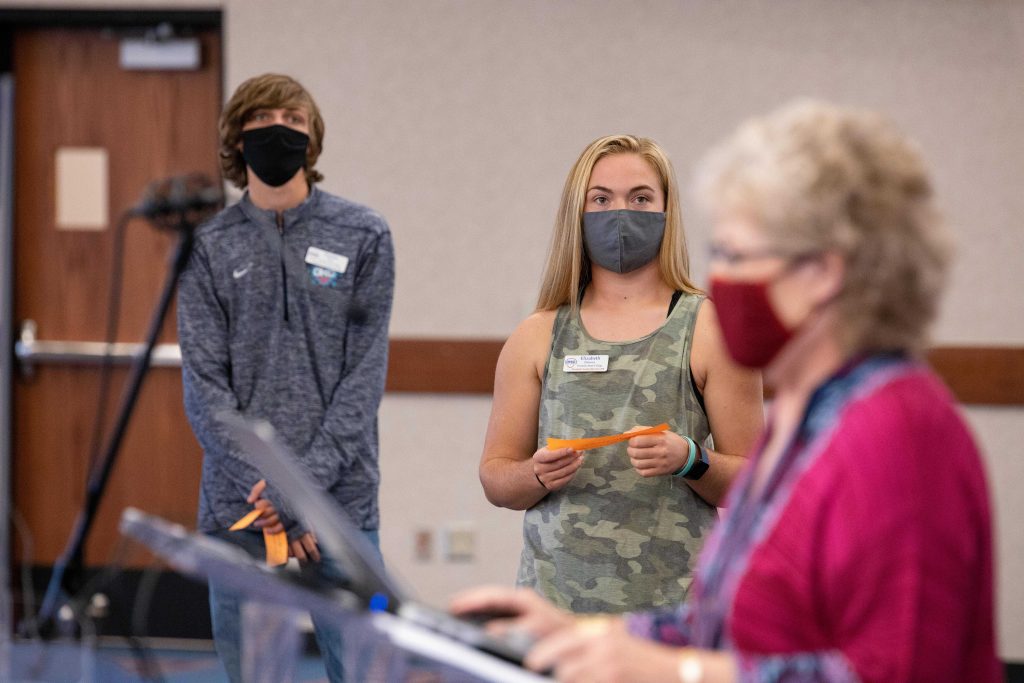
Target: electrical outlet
x=423 y=545
x=460 y=542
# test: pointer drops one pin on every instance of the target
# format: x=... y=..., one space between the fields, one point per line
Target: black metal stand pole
x=69 y=566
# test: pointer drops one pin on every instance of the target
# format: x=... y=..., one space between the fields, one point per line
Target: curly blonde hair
x=817 y=177
x=269 y=91
x=568 y=267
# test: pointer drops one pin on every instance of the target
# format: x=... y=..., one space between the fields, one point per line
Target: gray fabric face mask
x=622 y=240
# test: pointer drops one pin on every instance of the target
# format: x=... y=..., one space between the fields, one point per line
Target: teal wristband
x=684 y=470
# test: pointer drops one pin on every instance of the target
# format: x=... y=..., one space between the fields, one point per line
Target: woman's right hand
x=555 y=469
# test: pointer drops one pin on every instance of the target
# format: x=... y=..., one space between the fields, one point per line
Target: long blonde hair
x=568 y=267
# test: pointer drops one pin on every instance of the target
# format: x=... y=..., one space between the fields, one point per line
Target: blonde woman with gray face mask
x=621 y=339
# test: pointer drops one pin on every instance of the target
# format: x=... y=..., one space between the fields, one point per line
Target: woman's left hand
x=599 y=650
x=654 y=455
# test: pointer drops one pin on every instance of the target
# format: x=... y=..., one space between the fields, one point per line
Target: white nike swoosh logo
x=240 y=272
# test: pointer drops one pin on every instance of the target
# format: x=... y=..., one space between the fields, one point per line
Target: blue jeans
x=225 y=612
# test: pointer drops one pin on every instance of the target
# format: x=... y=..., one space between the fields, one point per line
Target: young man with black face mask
x=283 y=315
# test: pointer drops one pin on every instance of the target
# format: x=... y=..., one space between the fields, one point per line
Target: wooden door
x=70 y=92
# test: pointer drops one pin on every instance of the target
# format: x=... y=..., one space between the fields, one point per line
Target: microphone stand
x=67 y=571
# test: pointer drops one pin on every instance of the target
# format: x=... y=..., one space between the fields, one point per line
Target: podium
x=377 y=646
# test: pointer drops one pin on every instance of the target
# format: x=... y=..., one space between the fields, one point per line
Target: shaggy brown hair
x=269 y=91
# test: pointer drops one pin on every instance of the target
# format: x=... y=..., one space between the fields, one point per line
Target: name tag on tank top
x=585 y=364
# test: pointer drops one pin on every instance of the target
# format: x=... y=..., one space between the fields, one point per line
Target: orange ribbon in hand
x=599 y=441
x=277 y=543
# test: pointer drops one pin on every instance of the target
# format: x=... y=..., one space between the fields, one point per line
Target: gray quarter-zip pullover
x=285 y=317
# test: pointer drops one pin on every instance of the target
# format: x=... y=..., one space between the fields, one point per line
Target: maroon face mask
x=753 y=333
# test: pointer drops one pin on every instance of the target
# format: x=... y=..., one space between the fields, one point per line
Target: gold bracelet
x=691 y=668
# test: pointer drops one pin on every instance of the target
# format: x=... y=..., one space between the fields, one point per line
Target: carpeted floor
x=115 y=662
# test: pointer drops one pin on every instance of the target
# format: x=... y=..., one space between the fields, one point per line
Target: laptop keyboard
x=511 y=647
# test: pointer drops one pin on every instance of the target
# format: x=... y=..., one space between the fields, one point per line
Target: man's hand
x=305 y=548
x=268 y=520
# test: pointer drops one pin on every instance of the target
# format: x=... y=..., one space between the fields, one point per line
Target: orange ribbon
x=277 y=543
x=599 y=441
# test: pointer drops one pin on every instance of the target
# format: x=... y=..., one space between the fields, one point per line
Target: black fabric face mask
x=274 y=153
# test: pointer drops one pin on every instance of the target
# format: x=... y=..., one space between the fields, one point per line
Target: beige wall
x=458 y=120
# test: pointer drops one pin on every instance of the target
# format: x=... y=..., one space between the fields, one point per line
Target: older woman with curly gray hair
x=858 y=546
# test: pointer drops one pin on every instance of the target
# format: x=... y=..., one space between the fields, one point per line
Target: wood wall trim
x=980 y=375
x=445 y=366
x=977 y=375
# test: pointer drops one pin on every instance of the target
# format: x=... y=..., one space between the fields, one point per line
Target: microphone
x=180 y=202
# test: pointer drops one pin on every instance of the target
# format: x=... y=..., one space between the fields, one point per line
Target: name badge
x=326 y=259
x=585 y=364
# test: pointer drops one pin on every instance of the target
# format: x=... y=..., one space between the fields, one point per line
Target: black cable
x=99 y=476
x=140 y=614
x=148 y=666
x=99 y=420
x=113 y=320
x=76 y=604
x=49 y=605
x=27 y=584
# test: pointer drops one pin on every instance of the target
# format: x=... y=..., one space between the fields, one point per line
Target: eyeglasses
x=732 y=257
x=720 y=252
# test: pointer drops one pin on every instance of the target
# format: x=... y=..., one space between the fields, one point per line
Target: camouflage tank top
x=613 y=541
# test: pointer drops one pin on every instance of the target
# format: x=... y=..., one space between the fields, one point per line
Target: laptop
x=340 y=540
x=197 y=554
